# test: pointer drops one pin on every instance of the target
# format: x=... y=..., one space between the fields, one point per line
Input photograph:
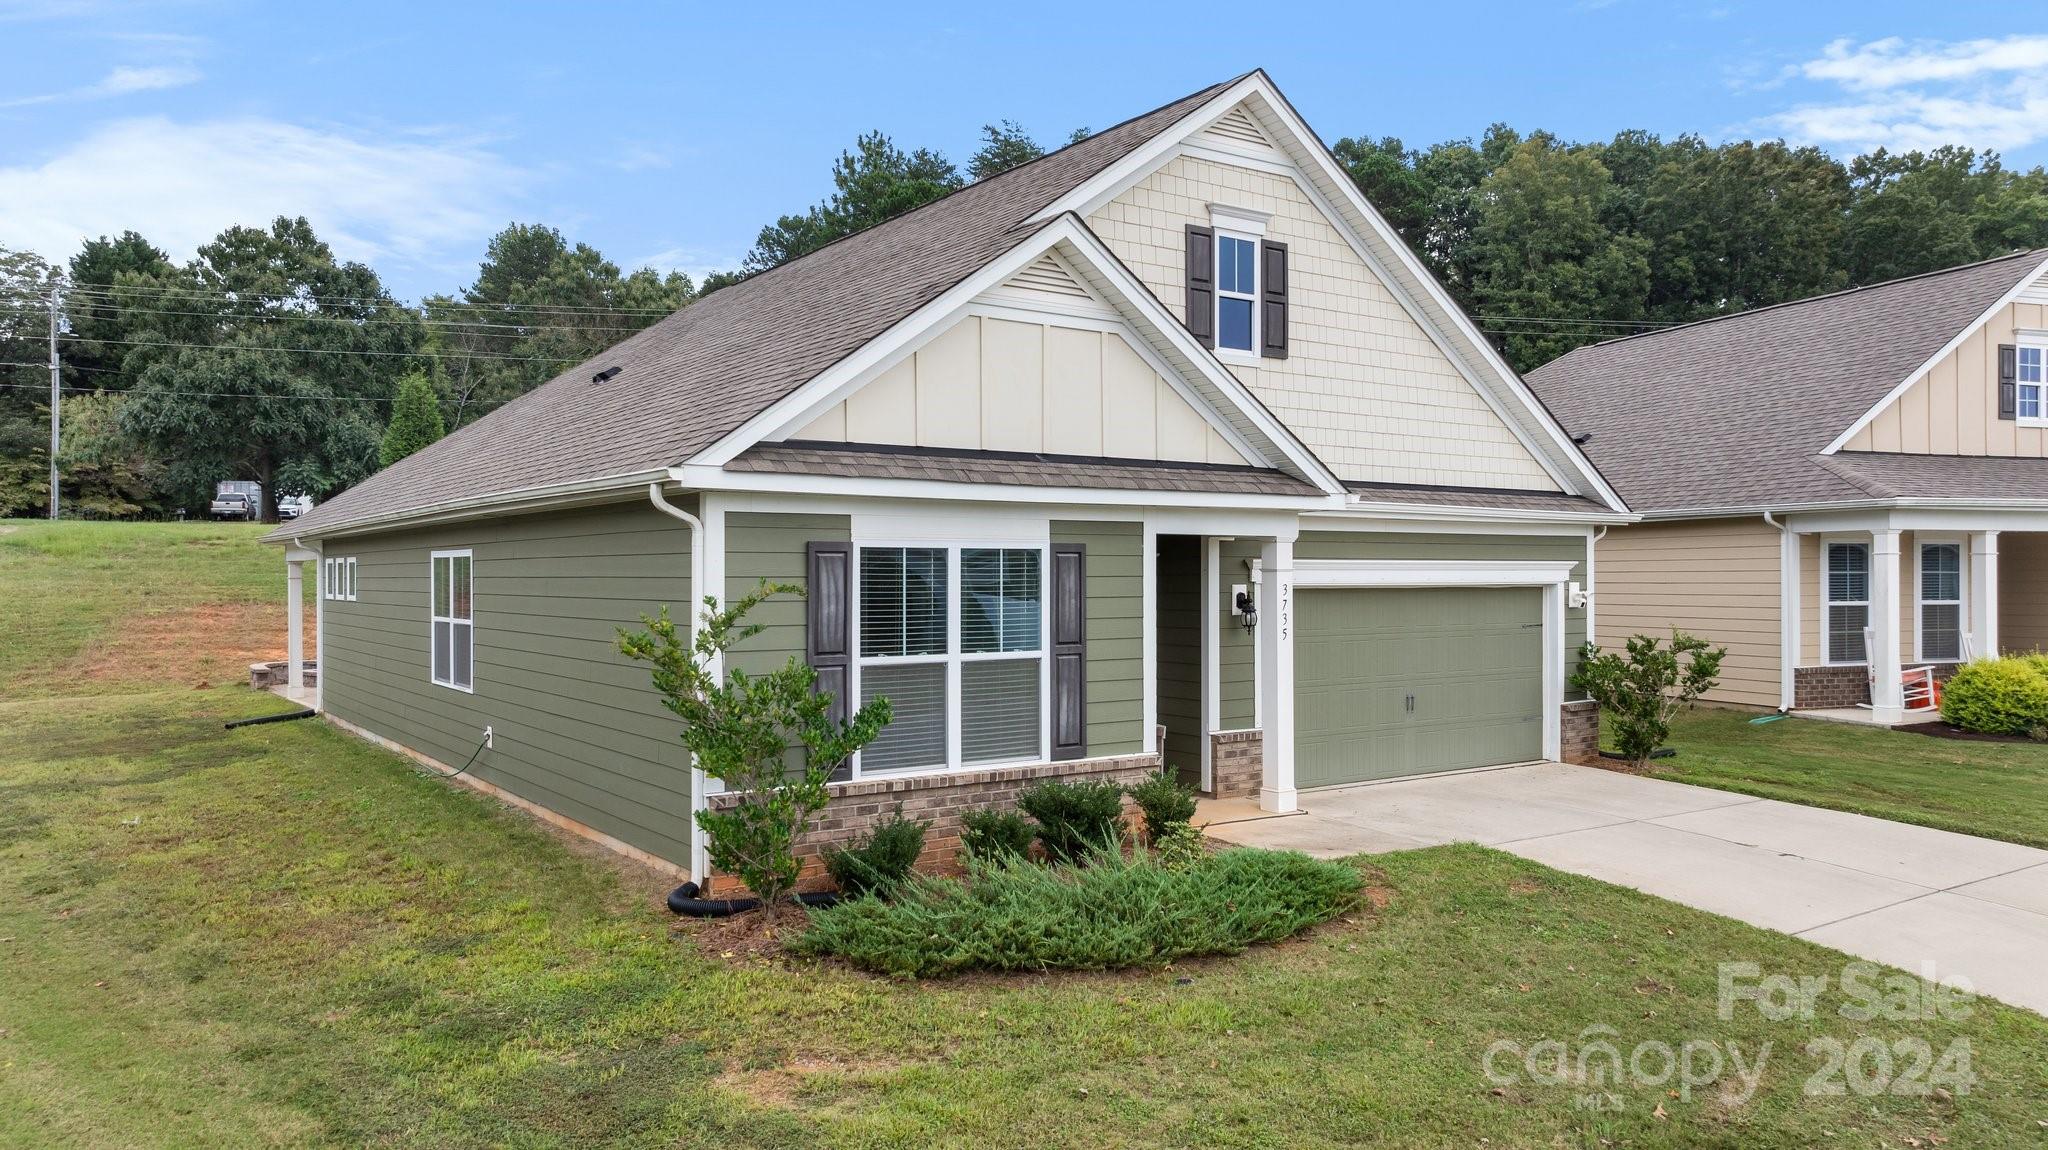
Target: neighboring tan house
x=1867 y=461
x=1025 y=446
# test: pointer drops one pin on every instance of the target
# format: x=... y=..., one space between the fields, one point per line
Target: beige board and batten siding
x=2023 y=592
x=1236 y=654
x=1116 y=631
x=577 y=727
x=1953 y=409
x=987 y=384
x=1363 y=385
x=1714 y=578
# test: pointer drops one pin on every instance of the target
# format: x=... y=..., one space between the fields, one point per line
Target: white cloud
x=1904 y=95
x=693 y=262
x=1891 y=62
x=121 y=81
x=423 y=202
x=635 y=157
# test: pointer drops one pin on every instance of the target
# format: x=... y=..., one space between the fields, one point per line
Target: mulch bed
x=1944 y=731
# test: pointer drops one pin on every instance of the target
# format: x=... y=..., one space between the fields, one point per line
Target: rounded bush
x=1997 y=697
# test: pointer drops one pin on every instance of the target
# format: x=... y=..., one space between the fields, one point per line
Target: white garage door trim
x=1550 y=576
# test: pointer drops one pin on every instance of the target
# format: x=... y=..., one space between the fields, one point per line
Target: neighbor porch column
x=295 y=624
x=1887 y=702
x=1275 y=633
x=1983 y=594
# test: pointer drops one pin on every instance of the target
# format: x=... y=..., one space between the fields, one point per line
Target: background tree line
x=264 y=357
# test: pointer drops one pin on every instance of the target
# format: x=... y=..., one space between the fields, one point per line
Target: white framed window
x=1939 y=624
x=452 y=633
x=954 y=637
x=1237 y=292
x=1845 y=601
x=2027 y=376
x=338 y=579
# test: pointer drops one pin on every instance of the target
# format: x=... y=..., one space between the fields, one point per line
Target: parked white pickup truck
x=231 y=505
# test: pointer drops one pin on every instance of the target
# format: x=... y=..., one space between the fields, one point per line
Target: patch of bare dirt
x=745 y=936
x=191 y=646
x=781 y=1085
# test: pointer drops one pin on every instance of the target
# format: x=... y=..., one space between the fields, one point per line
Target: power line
x=374 y=301
x=325 y=350
x=202 y=394
x=457 y=325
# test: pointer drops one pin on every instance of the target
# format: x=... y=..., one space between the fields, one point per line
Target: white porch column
x=295 y=624
x=1276 y=666
x=1789 y=645
x=1984 y=594
x=1887 y=702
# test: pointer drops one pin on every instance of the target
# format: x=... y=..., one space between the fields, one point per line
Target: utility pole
x=56 y=397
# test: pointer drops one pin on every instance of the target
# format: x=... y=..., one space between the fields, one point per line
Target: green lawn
x=1998 y=790
x=282 y=936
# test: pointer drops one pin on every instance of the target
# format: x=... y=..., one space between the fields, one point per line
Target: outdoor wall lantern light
x=1248 y=612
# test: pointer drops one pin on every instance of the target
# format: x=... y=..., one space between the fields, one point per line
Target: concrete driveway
x=1887 y=891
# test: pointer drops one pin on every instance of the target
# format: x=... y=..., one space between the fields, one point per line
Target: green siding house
x=1160 y=450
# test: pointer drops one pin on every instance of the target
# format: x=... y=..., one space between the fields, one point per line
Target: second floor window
x=2029 y=380
x=1237 y=291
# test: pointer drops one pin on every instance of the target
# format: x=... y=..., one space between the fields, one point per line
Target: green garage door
x=1407 y=681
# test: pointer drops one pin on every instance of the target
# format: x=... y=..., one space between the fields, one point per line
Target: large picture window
x=1941 y=601
x=953 y=636
x=1847 y=603
x=454 y=626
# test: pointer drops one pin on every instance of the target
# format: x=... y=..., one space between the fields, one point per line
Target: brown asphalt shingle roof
x=699 y=374
x=1883 y=475
x=1014 y=469
x=1734 y=412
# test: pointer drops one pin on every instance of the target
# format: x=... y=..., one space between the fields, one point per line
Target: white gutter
x=521 y=499
x=1738 y=510
x=699 y=860
x=1788 y=610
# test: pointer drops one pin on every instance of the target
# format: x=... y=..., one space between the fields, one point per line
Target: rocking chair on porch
x=1918 y=688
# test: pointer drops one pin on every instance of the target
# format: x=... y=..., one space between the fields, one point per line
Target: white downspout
x=700 y=862
x=319 y=625
x=1788 y=611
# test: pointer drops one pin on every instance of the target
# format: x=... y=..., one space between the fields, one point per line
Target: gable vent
x=2036 y=292
x=1046 y=275
x=1237 y=126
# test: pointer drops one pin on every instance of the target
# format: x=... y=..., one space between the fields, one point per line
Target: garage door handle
x=1411 y=704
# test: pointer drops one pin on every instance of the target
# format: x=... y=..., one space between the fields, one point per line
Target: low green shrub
x=1179 y=846
x=879 y=861
x=989 y=833
x=1008 y=914
x=1075 y=819
x=1996 y=696
x=1165 y=802
x=2038 y=660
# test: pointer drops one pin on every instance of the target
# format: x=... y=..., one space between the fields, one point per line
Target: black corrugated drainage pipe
x=287 y=717
x=684 y=901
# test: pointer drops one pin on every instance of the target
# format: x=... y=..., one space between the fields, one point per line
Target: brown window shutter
x=2008 y=381
x=1069 y=651
x=1202 y=284
x=828 y=626
x=1272 y=300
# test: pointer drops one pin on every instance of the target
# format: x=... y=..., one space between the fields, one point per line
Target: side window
x=2029 y=379
x=351 y=579
x=1941 y=601
x=453 y=624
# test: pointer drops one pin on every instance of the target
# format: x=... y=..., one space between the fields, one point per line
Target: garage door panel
x=1471 y=659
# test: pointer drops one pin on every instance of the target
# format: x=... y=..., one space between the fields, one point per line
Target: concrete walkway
x=1882 y=890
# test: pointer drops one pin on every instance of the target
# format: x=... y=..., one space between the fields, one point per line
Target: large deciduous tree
x=282 y=378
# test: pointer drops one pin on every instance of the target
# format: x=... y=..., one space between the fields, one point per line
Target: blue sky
x=667 y=134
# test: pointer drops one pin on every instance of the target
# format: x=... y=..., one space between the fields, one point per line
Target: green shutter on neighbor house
x=1409 y=681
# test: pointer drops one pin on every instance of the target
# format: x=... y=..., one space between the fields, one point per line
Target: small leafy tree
x=1639 y=692
x=741 y=731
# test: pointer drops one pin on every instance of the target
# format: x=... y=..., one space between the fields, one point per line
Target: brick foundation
x=1824 y=687
x=1579 y=732
x=940 y=800
x=1237 y=763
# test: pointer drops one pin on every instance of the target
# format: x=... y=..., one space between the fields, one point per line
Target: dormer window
x=2029 y=379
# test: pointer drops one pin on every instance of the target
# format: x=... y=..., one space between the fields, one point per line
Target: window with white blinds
x=453 y=631
x=1941 y=601
x=953 y=638
x=1847 y=586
